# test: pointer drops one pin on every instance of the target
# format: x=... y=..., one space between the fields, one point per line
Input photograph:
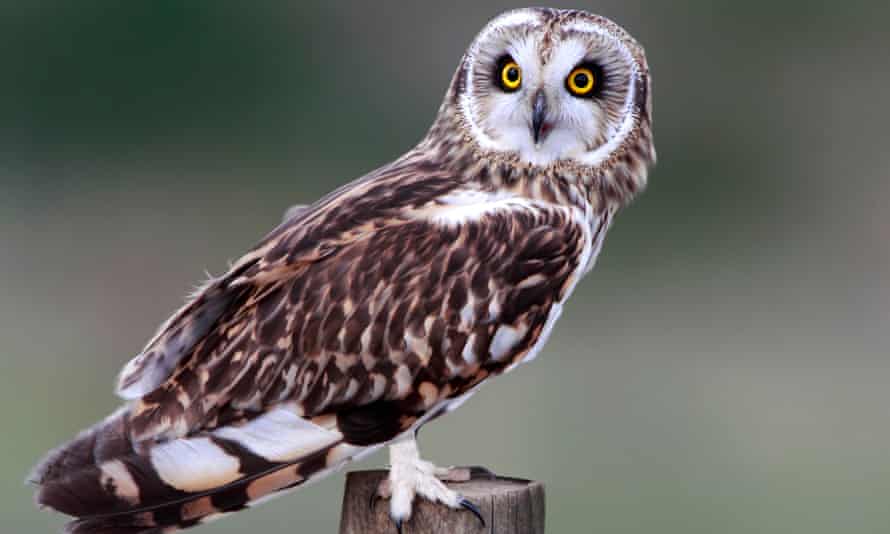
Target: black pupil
x=512 y=74
x=581 y=80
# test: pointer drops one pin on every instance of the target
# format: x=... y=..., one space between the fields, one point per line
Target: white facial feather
x=582 y=129
x=497 y=31
x=617 y=137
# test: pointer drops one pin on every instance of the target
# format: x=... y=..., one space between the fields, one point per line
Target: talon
x=474 y=509
x=372 y=502
x=399 y=526
x=477 y=471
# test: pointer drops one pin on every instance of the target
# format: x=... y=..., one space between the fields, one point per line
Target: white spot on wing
x=402 y=380
x=124 y=486
x=280 y=435
x=468 y=354
x=193 y=465
x=378 y=384
x=504 y=340
x=351 y=388
x=466 y=313
x=417 y=345
x=493 y=308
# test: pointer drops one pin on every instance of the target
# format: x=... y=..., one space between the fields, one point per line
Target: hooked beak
x=539 y=116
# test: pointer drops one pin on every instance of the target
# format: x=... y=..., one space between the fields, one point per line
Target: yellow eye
x=510 y=76
x=581 y=81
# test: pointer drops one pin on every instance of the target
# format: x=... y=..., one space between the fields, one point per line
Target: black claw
x=474 y=509
x=477 y=471
x=399 y=526
x=373 y=501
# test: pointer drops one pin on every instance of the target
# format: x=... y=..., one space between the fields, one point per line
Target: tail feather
x=104 y=441
x=111 y=486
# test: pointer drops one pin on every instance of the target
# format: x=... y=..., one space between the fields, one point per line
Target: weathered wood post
x=509 y=506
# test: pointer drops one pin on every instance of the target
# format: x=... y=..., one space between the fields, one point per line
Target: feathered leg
x=410 y=476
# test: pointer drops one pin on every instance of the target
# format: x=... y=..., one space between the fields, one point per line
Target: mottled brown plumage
x=379 y=307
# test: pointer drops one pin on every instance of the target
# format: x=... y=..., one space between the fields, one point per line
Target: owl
x=387 y=303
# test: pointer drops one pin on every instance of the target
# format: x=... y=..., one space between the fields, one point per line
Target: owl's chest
x=596 y=227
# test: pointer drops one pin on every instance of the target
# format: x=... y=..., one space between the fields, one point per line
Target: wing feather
x=413 y=301
x=354 y=322
x=307 y=234
x=175 y=339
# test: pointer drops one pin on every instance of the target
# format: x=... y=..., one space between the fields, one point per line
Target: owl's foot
x=410 y=477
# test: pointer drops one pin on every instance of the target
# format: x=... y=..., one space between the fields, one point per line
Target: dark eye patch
x=507 y=74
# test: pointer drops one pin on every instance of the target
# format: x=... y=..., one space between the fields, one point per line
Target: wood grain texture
x=509 y=506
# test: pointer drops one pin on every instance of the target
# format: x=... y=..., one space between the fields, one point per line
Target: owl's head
x=554 y=87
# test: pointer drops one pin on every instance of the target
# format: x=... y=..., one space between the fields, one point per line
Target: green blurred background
x=724 y=369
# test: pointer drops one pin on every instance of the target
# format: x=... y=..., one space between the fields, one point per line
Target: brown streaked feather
x=360 y=325
x=177 y=338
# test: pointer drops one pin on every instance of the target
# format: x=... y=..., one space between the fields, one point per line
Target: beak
x=539 y=115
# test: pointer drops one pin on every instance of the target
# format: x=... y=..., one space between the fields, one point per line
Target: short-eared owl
x=385 y=304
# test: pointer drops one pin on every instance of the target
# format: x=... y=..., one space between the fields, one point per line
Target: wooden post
x=509 y=506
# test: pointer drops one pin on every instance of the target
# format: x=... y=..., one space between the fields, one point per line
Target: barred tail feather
x=216 y=503
x=179 y=483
